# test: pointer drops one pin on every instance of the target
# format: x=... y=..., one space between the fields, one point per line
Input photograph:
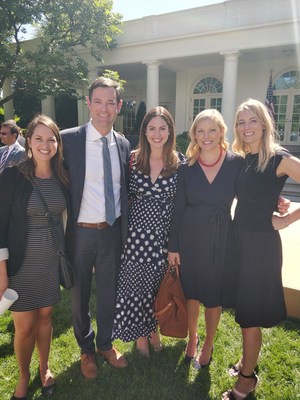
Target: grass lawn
x=164 y=375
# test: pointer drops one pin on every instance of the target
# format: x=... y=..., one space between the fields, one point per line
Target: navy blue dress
x=201 y=228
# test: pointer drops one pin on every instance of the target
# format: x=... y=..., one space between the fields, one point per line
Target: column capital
x=152 y=63
x=233 y=54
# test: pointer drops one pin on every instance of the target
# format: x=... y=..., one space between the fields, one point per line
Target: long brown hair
x=29 y=165
x=170 y=156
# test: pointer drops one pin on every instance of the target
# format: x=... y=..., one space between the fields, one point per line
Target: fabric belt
x=98 y=225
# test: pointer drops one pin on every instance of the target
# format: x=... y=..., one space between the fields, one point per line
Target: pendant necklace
x=250 y=163
x=214 y=163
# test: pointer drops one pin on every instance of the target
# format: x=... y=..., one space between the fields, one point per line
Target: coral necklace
x=213 y=164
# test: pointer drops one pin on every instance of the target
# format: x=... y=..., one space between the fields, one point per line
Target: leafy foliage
x=51 y=64
x=141 y=112
x=182 y=142
x=114 y=75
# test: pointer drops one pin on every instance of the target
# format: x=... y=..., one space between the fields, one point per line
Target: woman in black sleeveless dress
x=259 y=300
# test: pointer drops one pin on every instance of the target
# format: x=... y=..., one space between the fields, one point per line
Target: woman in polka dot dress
x=152 y=188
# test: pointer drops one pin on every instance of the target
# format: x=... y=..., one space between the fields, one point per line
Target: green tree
x=51 y=63
x=141 y=112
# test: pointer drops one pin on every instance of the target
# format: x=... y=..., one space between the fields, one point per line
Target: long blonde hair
x=269 y=143
x=193 y=151
x=142 y=154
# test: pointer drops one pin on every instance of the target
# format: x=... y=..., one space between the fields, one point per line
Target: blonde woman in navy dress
x=259 y=299
x=152 y=188
x=201 y=227
x=28 y=253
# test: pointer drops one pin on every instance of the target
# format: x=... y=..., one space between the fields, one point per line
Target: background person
x=97 y=241
x=259 y=299
x=12 y=153
x=152 y=188
x=28 y=252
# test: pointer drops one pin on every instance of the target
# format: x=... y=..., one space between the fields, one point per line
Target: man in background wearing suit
x=98 y=239
x=12 y=153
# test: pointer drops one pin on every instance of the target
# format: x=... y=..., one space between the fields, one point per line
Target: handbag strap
x=49 y=219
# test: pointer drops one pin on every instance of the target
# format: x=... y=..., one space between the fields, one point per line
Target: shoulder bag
x=170 y=306
x=65 y=268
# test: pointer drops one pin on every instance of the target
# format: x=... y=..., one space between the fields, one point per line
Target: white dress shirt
x=92 y=209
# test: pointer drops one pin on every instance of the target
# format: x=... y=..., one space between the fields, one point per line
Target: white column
x=48 y=107
x=229 y=90
x=9 y=105
x=152 y=83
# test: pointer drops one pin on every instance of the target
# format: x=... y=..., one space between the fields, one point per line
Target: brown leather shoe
x=88 y=366
x=114 y=357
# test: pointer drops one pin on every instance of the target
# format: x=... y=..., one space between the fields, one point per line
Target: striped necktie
x=3 y=159
x=110 y=211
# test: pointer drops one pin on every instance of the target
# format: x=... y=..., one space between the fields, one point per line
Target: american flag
x=270 y=100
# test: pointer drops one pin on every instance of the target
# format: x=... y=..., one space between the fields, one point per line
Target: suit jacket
x=13 y=217
x=16 y=156
x=74 y=144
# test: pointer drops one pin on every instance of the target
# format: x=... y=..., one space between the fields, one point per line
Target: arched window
x=207 y=94
x=287 y=107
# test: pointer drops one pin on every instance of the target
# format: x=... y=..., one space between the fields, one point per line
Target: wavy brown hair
x=269 y=138
x=29 y=165
x=170 y=156
x=193 y=151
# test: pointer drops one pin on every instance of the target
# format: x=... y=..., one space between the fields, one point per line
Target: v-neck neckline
x=153 y=183
x=217 y=174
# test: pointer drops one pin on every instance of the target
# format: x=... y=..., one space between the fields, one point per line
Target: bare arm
x=281 y=222
x=289 y=166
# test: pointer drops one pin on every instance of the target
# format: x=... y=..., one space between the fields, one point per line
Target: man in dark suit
x=98 y=240
x=12 y=153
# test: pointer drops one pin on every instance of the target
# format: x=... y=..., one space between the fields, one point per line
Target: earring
x=29 y=153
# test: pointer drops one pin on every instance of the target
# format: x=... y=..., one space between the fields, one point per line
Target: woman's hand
x=173 y=259
x=280 y=222
x=283 y=205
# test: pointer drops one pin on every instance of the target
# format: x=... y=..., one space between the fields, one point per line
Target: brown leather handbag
x=170 y=306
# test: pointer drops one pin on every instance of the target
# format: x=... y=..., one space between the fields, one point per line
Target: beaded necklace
x=214 y=163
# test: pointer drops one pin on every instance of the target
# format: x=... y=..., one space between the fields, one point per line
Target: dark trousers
x=100 y=249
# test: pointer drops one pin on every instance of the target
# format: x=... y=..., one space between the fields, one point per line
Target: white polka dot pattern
x=144 y=259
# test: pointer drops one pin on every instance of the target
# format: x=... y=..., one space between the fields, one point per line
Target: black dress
x=144 y=258
x=258 y=250
x=201 y=227
x=37 y=281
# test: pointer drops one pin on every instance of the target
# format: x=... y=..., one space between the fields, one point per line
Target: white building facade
x=211 y=56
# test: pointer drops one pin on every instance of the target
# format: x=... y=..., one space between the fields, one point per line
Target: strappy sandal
x=235 y=368
x=230 y=394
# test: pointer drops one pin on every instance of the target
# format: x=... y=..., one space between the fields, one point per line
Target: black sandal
x=230 y=394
